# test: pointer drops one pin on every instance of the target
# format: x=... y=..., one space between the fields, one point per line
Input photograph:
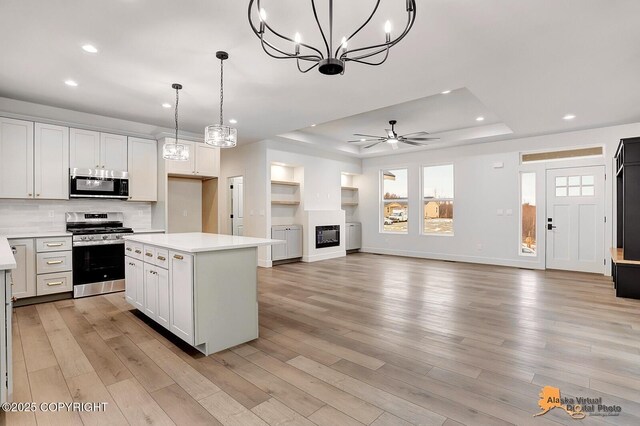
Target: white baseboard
x=324 y=256
x=264 y=263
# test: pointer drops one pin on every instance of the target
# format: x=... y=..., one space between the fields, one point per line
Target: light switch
x=509 y=212
x=499 y=212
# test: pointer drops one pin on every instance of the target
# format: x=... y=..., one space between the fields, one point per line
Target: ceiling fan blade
x=368 y=136
x=413 y=143
x=394 y=146
x=373 y=144
x=421 y=139
x=365 y=140
x=390 y=133
x=416 y=134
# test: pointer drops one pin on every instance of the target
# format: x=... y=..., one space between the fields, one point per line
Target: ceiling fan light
x=221 y=136
x=392 y=140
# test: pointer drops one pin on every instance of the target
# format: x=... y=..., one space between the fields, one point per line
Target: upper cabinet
x=16 y=158
x=51 y=163
x=113 y=152
x=143 y=169
x=95 y=150
x=204 y=161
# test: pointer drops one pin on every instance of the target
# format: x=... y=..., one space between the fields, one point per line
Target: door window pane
x=395 y=206
x=528 y=219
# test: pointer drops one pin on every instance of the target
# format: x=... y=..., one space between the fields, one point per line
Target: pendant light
x=173 y=150
x=218 y=134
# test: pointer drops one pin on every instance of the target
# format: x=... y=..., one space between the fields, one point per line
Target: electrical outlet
x=185 y=213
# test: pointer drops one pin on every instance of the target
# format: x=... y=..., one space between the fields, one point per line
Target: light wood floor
x=360 y=340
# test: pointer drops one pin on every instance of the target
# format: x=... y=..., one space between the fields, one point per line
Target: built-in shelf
x=349 y=203
x=285 y=203
x=284 y=182
x=349 y=188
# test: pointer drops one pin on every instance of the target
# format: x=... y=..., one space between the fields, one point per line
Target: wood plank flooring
x=366 y=339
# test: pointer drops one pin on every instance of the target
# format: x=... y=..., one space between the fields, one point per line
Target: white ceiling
x=527 y=62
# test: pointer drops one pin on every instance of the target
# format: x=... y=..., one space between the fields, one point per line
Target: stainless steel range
x=98 y=252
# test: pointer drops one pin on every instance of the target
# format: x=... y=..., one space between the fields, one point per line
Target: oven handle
x=97 y=243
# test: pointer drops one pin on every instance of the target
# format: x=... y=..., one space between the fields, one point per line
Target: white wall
x=19 y=216
x=479 y=191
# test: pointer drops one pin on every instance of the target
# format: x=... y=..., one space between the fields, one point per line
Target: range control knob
x=105 y=237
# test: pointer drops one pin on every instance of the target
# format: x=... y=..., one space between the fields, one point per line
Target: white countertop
x=7 y=261
x=148 y=231
x=40 y=234
x=196 y=242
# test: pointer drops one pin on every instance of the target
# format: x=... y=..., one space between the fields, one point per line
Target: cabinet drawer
x=162 y=258
x=149 y=254
x=54 y=283
x=53 y=244
x=134 y=250
x=53 y=262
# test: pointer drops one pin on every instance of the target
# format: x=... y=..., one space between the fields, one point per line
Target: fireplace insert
x=327 y=236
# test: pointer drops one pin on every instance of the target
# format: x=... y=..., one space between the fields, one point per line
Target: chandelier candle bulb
x=387 y=31
x=263 y=17
x=297 y=39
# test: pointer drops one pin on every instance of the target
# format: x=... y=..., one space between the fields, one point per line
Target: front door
x=575 y=219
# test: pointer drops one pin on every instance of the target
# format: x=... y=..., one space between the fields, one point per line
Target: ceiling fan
x=392 y=138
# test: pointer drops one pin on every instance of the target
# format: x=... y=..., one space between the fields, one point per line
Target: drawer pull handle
x=149 y=254
x=55 y=283
x=138 y=251
x=177 y=256
x=162 y=258
x=54 y=262
x=129 y=249
x=54 y=244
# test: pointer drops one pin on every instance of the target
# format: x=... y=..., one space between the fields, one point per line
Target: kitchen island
x=201 y=287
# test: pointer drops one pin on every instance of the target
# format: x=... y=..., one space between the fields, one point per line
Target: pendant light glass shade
x=219 y=135
x=173 y=150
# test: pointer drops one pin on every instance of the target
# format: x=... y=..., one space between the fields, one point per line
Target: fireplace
x=327 y=236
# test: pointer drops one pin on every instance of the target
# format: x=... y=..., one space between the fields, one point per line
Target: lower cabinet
x=161 y=286
x=24 y=276
x=6 y=367
x=292 y=234
x=353 y=236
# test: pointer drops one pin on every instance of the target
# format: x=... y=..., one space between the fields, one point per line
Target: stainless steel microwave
x=95 y=183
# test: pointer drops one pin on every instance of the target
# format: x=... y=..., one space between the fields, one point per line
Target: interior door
x=237 y=205
x=575 y=219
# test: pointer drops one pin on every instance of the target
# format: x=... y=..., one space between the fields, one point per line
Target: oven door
x=98 y=263
x=98 y=184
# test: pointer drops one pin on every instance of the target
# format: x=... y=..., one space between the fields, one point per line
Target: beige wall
x=185 y=208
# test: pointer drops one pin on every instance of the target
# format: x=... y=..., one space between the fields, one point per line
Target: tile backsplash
x=49 y=215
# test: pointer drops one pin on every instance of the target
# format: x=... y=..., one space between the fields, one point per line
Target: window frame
x=520 y=211
x=381 y=200
x=422 y=200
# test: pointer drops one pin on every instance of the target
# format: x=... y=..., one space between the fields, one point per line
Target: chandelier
x=328 y=60
x=173 y=150
x=218 y=134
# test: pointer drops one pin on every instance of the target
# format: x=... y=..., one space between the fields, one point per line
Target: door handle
x=14 y=250
x=550 y=227
x=54 y=262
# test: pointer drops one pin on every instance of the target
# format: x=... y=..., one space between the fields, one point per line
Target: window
x=395 y=206
x=437 y=191
x=528 y=217
x=575 y=186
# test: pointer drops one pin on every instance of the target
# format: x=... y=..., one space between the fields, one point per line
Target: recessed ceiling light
x=233 y=121
x=313 y=125
x=446 y=92
x=90 y=48
x=71 y=83
x=166 y=105
x=569 y=117
x=363 y=140
x=480 y=119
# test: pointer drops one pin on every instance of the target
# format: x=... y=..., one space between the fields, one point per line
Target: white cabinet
x=95 y=150
x=134 y=276
x=207 y=160
x=113 y=152
x=143 y=169
x=51 y=163
x=84 y=149
x=204 y=161
x=150 y=290
x=24 y=276
x=292 y=234
x=16 y=158
x=164 y=297
x=181 y=295
x=353 y=236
